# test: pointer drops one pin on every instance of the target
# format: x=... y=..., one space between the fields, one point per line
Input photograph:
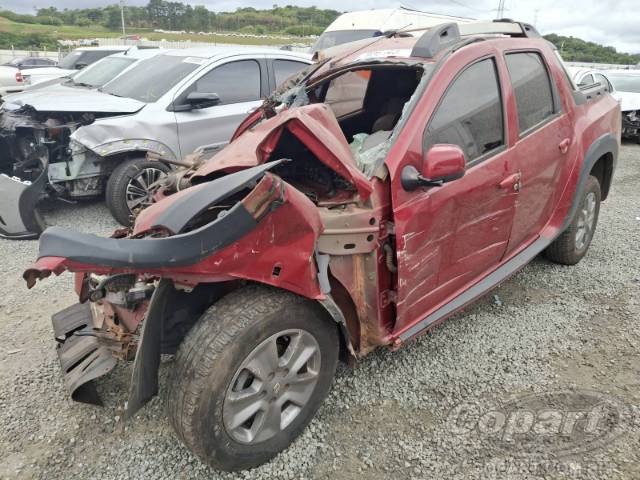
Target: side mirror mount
x=442 y=163
x=80 y=66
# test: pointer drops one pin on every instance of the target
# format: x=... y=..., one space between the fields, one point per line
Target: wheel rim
x=272 y=386
x=142 y=187
x=586 y=221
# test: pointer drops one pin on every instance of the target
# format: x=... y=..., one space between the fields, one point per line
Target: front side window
x=470 y=113
x=233 y=82
x=532 y=87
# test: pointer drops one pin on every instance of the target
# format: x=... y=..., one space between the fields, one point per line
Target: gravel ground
x=548 y=329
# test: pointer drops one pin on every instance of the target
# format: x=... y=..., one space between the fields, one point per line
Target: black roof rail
x=436 y=39
x=441 y=37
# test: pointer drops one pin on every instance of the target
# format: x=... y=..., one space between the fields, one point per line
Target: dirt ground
x=558 y=339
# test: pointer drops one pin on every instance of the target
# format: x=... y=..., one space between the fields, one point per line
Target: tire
x=211 y=366
x=570 y=246
x=128 y=175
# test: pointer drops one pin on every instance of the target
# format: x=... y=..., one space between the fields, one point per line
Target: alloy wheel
x=142 y=187
x=586 y=221
x=272 y=386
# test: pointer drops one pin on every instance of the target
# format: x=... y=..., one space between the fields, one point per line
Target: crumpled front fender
x=274 y=243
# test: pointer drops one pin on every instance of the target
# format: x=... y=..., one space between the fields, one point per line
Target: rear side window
x=532 y=87
x=283 y=69
x=470 y=113
x=233 y=82
x=346 y=93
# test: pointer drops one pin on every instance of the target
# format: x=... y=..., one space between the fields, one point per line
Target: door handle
x=564 y=145
x=512 y=182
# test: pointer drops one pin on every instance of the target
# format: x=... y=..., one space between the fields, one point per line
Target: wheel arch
x=173 y=311
x=605 y=149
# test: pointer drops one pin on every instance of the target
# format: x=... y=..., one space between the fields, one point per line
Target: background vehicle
x=331 y=227
x=97 y=74
x=362 y=24
x=169 y=105
x=31 y=62
x=11 y=80
x=627 y=85
x=75 y=60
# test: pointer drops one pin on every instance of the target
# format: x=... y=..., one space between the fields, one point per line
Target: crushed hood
x=314 y=125
x=75 y=100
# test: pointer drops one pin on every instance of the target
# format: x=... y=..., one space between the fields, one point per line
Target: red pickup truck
x=371 y=197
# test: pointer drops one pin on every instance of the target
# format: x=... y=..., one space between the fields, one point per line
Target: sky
x=608 y=22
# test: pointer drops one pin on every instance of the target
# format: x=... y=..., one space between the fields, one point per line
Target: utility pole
x=500 y=13
x=124 y=33
x=535 y=18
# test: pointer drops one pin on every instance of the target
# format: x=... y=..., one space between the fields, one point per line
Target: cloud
x=609 y=22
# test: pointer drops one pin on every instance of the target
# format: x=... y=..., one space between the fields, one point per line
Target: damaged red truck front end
x=352 y=211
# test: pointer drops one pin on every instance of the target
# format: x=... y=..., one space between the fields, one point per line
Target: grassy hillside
x=37 y=36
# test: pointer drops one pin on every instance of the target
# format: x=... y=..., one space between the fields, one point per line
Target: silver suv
x=169 y=105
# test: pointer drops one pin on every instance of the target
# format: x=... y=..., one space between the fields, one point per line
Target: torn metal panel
x=314 y=125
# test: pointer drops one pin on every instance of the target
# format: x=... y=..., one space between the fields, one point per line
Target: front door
x=239 y=85
x=450 y=235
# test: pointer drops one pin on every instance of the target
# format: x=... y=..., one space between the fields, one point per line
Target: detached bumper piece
x=82 y=356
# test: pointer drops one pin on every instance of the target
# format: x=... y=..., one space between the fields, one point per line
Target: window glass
x=346 y=93
x=603 y=80
x=233 y=82
x=103 y=71
x=586 y=80
x=338 y=37
x=470 y=113
x=283 y=69
x=150 y=79
x=532 y=88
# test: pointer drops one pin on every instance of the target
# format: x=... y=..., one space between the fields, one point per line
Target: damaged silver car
x=95 y=142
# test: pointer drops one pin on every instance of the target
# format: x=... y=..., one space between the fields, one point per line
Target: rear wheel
x=573 y=243
x=250 y=376
x=131 y=187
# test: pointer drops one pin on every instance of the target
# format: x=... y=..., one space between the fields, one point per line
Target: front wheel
x=573 y=243
x=131 y=187
x=250 y=376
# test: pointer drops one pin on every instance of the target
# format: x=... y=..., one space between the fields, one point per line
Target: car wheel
x=573 y=243
x=131 y=187
x=250 y=376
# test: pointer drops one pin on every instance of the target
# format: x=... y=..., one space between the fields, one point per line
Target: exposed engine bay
x=25 y=130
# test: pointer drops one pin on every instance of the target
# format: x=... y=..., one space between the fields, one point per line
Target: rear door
x=240 y=83
x=544 y=141
x=450 y=235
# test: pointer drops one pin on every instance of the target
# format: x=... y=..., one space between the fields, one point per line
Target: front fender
x=116 y=147
x=269 y=236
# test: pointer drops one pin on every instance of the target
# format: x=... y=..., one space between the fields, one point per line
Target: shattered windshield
x=152 y=78
x=102 y=71
x=625 y=83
